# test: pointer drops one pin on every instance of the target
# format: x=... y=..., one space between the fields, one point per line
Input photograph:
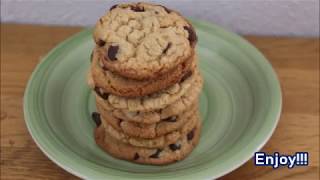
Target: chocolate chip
x=96 y=118
x=91 y=56
x=190 y=135
x=104 y=68
x=156 y=154
x=112 y=7
x=184 y=64
x=120 y=121
x=100 y=43
x=137 y=9
x=188 y=74
x=166 y=9
x=100 y=93
x=112 y=52
x=166 y=49
x=100 y=20
x=192 y=37
x=171 y=119
x=174 y=147
x=136 y=156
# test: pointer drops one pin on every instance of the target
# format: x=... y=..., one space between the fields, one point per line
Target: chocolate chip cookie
x=157 y=142
x=142 y=130
x=154 y=101
x=150 y=117
x=157 y=156
x=117 y=85
x=143 y=41
x=146 y=84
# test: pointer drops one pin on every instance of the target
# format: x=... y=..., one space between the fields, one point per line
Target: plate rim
x=276 y=89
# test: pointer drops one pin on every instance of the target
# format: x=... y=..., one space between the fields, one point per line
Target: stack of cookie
x=146 y=83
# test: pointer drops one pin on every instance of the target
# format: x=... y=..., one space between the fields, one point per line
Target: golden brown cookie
x=153 y=101
x=117 y=85
x=151 y=117
x=143 y=40
x=157 y=142
x=157 y=156
x=142 y=130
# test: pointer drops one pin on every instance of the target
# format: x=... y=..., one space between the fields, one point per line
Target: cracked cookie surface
x=142 y=40
x=158 y=156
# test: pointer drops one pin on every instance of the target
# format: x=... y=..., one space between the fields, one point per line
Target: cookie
x=157 y=142
x=143 y=41
x=151 y=117
x=154 y=101
x=157 y=156
x=117 y=85
x=148 y=130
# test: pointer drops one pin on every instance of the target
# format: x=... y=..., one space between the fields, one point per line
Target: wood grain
x=296 y=61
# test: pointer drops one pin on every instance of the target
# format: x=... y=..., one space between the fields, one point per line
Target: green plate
x=240 y=106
